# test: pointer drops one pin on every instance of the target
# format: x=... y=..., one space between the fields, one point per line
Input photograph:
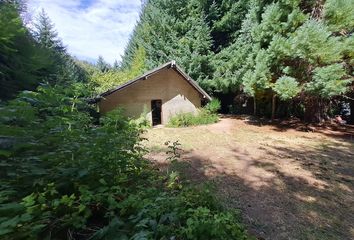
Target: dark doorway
x=156 y=112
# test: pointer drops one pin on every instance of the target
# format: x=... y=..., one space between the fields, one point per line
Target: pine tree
x=116 y=65
x=65 y=69
x=273 y=51
x=22 y=63
x=102 y=65
x=46 y=35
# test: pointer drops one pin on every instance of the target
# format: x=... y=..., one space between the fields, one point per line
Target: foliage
x=45 y=34
x=30 y=57
x=103 y=81
x=62 y=176
x=173 y=150
x=21 y=61
x=244 y=47
x=189 y=119
x=142 y=121
x=286 y=87
x=328 y=81
x=213 y=106
x=104 y=78
x=339 y=15
x=102 y=65
x=66 y=69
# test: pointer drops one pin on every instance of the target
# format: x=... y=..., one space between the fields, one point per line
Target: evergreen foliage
x=252 y=46
x=28 y=58
x=22 y=63
x=66 y=68
x=286 y=87
x=61 y=175
x=102 y=65
x=46 y=35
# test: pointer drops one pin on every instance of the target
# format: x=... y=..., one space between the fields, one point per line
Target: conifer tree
x=22 y=63
x=46 y=35
x=102 y=65
x=116 y=65
x=65 y=68
x=273 y=51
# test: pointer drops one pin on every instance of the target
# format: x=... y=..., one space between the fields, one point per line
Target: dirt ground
x=290 y=181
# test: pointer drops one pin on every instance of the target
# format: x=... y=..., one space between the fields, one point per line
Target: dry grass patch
x=289 y=184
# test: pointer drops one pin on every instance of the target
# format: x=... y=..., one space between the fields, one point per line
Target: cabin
x=160 y=94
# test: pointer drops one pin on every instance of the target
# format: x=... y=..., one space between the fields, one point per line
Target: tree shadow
x=330 y=129
x=286 y=194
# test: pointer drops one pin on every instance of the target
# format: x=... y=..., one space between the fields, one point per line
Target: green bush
x=189 y=119
x=142 y=121
x=62 y=177
x=213 y=106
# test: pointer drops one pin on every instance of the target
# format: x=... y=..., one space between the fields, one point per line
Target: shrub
x=213 y=106
x=189 y=119
x=62 y=177
x=142 y=121
x=181 y=120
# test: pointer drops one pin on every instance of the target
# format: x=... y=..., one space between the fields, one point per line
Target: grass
x=291 y=180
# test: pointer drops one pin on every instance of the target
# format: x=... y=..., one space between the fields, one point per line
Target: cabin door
x=156 y=106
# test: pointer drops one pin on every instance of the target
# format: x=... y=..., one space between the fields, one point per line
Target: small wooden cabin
x=161 y=93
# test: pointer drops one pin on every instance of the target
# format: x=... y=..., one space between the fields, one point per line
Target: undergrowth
x=205 y=115
x=64 y=178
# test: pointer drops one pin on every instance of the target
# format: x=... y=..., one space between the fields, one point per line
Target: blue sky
x=90 y=28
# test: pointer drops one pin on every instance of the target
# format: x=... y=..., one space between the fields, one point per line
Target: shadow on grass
x=282 y=125
x=288 y=194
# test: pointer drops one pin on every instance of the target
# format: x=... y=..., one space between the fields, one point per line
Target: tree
x=116 y=65
x=254 y=47
x=65 y=68
x=46 y=35
x=102 y=65
x=22 y=63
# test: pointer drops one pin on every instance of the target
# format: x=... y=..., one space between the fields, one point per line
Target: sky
x=90 y=28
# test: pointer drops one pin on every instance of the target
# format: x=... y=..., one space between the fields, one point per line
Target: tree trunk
x=274 y=98
x=254 y=106
x=351 y=119
x=315 y=110
x=312 y=110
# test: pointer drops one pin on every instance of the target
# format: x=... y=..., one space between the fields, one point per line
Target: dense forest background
x=276 y=58
x=269 y=58
x=66 y=176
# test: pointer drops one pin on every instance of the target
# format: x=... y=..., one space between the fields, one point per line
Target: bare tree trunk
x=274 y=98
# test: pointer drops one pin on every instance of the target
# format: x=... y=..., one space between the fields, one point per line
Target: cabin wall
x=176 y=93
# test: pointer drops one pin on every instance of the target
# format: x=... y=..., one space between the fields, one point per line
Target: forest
x=284 y=58
x=65 y=174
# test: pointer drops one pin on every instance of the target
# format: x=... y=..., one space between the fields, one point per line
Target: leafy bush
x=181 y=120
x=189 y=119
x=142 y=121
x=286 y=87
x=61 y=177
x=205 y=115
x=213 y=106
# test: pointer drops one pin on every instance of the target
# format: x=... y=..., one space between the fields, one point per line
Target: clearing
x=288 y=184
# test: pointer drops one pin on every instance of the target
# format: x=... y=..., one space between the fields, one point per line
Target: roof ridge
x=171 y=64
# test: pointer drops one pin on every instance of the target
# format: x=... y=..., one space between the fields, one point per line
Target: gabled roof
x=172 y=65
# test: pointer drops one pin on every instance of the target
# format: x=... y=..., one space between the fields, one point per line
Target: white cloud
x=92 y=27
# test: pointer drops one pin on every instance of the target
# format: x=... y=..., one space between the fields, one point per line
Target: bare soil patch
x=288 y=181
